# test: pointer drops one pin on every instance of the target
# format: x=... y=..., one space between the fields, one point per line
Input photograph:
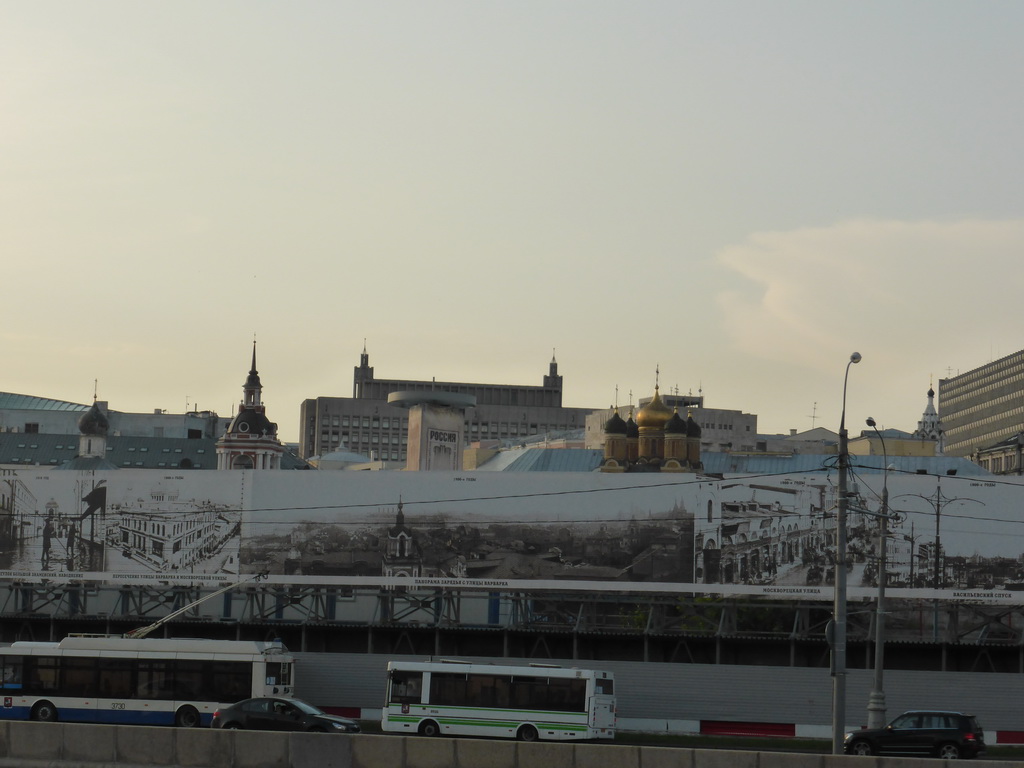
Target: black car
x=272 y=714
x=948 y=735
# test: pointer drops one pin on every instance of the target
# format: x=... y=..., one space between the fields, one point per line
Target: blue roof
x=557 y=460
x=14 y=402
x=52 y=450
x=587 y=460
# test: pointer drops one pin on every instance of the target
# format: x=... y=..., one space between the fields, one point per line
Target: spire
x=252 y=389
x=553 y=380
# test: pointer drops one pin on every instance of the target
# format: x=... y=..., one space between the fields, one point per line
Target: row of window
x=498 y=691
x=126 y=678
x=366 y=422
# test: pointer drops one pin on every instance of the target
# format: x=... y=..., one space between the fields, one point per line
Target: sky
x=736 y=195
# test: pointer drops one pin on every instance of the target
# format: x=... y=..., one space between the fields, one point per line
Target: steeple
x=253 y=389
x=250 y=441
x=363 y=373
x=553 y=380
x=930 y=426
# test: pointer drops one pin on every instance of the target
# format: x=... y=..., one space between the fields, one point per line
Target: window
x=32 y=428
x=116 y=678
x=406 y=687
x=278 y=673
x=78 y=677
x=10 y=672
x=446 y=688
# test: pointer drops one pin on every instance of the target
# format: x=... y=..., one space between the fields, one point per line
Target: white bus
x=525 y=703
x=147 y=682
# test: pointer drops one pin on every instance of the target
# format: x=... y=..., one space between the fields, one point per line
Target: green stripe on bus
x=489 y=723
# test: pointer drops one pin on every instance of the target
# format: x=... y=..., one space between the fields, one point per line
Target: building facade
x=982 y=407
x=32 y=415
x=367 y=424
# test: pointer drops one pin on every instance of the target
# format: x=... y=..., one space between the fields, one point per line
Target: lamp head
x=855 y=357
x=870 y=422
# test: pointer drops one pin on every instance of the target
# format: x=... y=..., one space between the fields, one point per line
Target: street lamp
x=940 y=502
x=876 y=700
x=839 y=607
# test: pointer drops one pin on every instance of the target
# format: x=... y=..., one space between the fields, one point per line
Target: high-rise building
x=982 y=407
x=367 y=424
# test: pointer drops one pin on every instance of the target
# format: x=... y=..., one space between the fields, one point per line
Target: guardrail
x=49 y=745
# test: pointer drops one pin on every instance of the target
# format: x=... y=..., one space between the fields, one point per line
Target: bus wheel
x=429 y=728
x=187 y=717
x=44 y=712
x=527 y=733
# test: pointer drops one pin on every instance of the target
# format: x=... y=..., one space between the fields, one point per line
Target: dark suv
x=947 y=735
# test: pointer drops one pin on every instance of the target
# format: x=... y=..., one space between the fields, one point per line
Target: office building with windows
x=367 y=424
x=983 y=407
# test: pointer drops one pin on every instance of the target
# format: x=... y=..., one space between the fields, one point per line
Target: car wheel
x=187 y=717
x=429 y=728
x=527 y=733
x=861 y=748
x=232 y=726
x=44 y=712
x=949 y=751
x=317 y=729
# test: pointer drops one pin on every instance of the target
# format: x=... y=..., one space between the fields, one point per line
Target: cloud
x=904 y=288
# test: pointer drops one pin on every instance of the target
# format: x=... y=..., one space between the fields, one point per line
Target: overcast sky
x=739 y=193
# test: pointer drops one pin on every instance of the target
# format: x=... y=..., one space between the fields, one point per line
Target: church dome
x=675 y=425
x=692 y=427
x=94 y=422
x=251 y=422
x=654 y=414
x=615 y=425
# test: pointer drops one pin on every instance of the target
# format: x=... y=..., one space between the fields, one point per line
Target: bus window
x=488 y=691
x=11 y=672
x=78 y=677
x=155 y=680
x=529 y=693
x=447 y=689
x=279 y=673
x=604 y=687
x=116 y=678
x=406 y=687
x=188 y=680
x=230 y=680
x=41 y=674
x=567 y=695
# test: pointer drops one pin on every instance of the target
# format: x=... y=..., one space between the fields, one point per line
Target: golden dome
x=654 y=414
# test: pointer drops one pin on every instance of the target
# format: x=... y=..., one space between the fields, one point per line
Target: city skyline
x=737 y=196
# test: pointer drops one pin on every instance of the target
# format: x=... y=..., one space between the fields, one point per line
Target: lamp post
x=939 y=502
x=839 y=607
x=876 y=700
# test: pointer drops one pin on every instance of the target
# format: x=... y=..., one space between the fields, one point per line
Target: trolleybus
x=526 y=703
x=149 y=682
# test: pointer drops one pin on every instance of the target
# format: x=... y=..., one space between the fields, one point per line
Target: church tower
x=251 y=439
x=930 y=427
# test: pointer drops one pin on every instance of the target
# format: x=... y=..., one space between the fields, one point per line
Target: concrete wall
x=35 y=745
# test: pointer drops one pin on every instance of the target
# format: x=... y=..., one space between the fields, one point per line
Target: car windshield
x=309 y=709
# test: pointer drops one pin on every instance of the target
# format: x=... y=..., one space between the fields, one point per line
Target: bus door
x=602 y=713
x=602 y=705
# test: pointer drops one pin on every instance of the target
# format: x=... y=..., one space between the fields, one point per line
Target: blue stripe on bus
x=105 y=716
